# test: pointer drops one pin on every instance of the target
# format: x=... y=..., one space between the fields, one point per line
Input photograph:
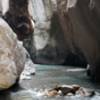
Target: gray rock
x=48 y=36
x=12 y=56
x=80 y=22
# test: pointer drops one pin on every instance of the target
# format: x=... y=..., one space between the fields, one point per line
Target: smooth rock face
x=18 y=15
x=12 y=56
x=80 y=22
x=47 y=44
x=48 y=35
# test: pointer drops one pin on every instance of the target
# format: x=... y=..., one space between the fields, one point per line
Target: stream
x=48 y=76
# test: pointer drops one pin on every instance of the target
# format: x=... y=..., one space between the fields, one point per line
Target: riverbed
x=48 y=76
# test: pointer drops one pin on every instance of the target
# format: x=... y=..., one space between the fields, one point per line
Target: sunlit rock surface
x=48 y=36
x=12 y=56
x=18 y=14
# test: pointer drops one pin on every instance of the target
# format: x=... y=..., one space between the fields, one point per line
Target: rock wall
x=80 y=21
x=47 y=44
x=49 y=41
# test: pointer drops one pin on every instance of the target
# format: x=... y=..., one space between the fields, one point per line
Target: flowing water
x=48 y=76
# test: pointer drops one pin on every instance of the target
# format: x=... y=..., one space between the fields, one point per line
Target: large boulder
x=12 y=56
x=47 y=44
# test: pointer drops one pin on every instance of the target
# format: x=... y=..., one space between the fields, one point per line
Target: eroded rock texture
x=50 y=48
x=80 y=21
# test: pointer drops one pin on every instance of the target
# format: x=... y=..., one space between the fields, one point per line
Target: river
x=48 y=76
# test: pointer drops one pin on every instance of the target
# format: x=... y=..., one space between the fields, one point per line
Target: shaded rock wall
x=49 y=41
x=14 y=59
x=47 y=44
x=80 y=21
x=48 y=37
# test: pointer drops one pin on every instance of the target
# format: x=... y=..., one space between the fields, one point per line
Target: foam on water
x=37 y=94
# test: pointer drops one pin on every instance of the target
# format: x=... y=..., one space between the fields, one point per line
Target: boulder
x=12 y=56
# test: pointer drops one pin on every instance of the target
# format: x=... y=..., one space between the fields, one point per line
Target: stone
x=29 y=69
x=18 y=15
x=12 y=56
x=49 y=43
x=80 y=23
x=48 y=36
